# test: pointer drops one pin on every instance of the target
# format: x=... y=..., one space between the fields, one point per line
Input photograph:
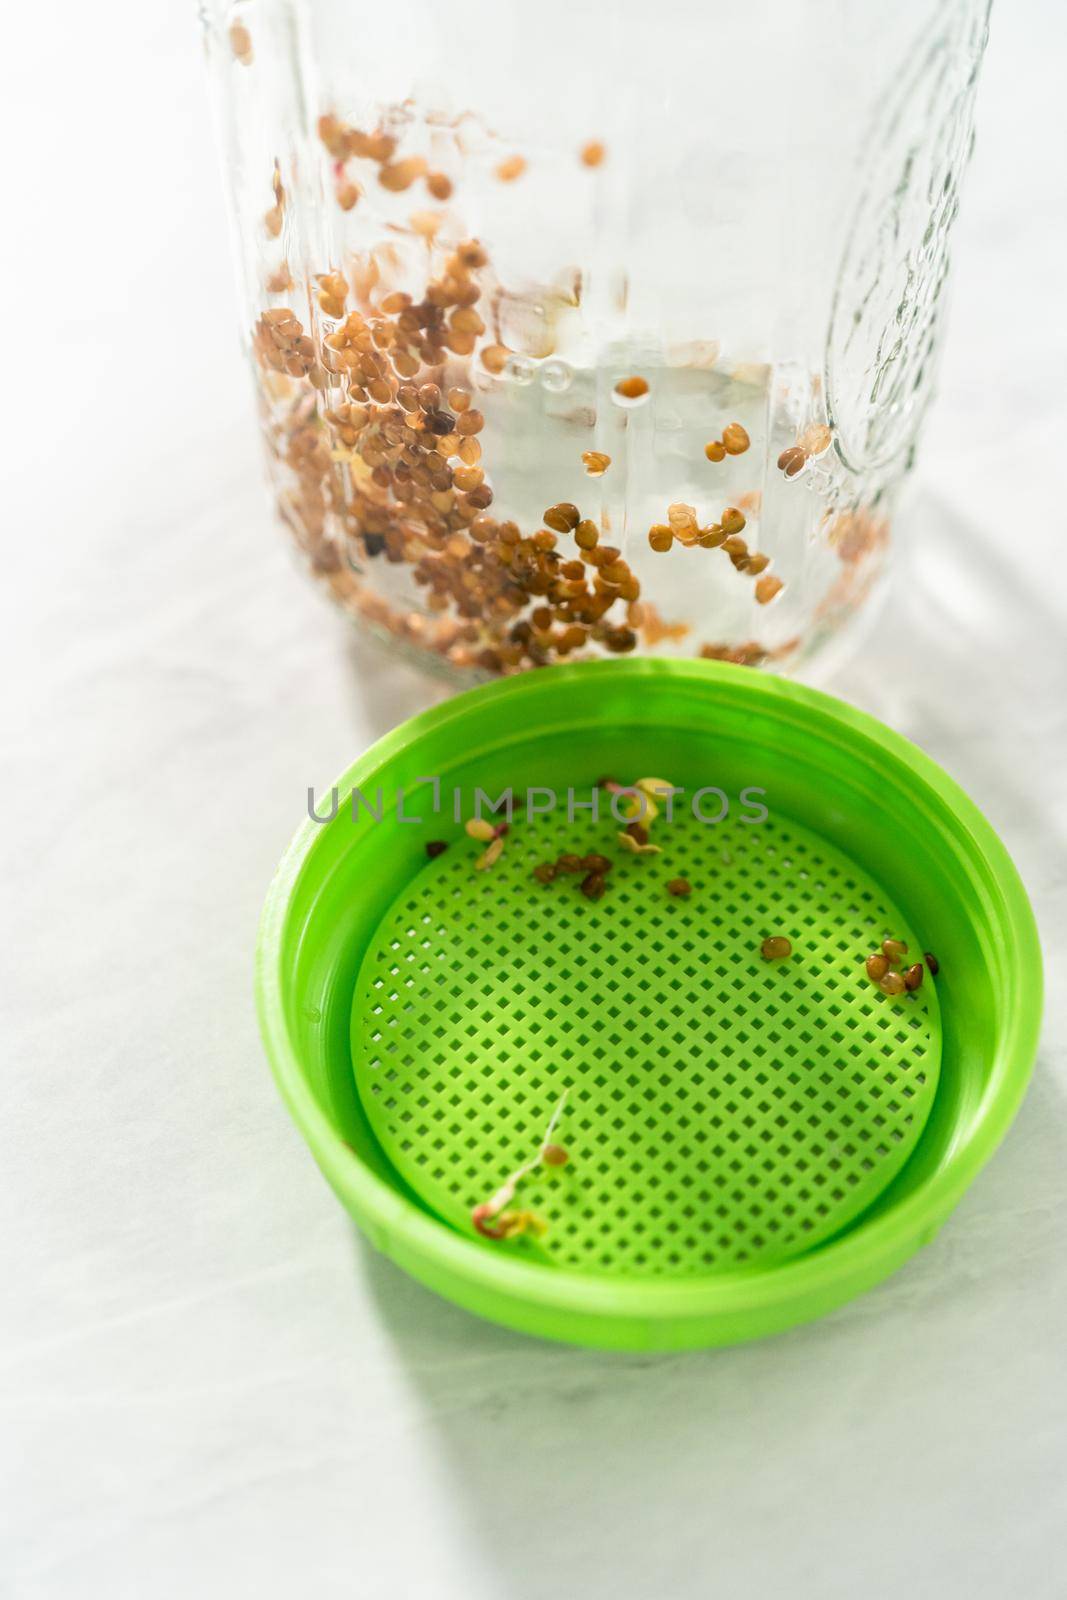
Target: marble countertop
x=208 y=1384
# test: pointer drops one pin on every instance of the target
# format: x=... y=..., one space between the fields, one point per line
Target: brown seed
x=494 y=357
x=592 y=153
x=554 y=1155
x=660 y=537
x=877 y=967
x=620 y=641
x=470 y=422
x=634 y=388
x=776 y=948
x=715 y=450
x=792 y=460
x=241 y=43
x=545 y=872
x=932 y=962
x=399 y=175
x=436 y=847
x=680 y=886
x=347 y=194
x=510 y=168
x=893 y=950
x=596 y=462
x=563 y=518
x=767 y=587
x=913 y=977
x=892 y=983
x=596 y=863
x=732 y=520
x=756 y=564
x=586 y=535
x=439 y=186
x=711 y=538
x=735 y=439
x=593 y=886
x=568 y=863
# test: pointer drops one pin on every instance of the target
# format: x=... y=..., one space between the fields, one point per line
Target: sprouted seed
x=490 y=1219
x=894 y=950
x=776 y=948
x=436 y=847
x=491 y=856
x=635 y=846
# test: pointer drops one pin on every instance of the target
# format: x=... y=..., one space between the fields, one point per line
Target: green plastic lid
x=749 y=1141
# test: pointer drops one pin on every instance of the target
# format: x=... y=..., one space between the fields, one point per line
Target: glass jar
x=580 y=331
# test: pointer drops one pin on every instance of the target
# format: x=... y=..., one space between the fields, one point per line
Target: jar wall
x=680 y=268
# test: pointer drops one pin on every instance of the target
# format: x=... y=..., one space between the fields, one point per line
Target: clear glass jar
x=584 y=330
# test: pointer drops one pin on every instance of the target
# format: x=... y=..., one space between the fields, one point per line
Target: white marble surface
x=207 y=1384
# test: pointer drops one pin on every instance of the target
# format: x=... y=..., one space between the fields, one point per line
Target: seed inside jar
x=510 y=168
x=634 y=388
x=715 y=450
x=660 y=537
x=592 y=153
x=767 y=587
x=792 y=460
x=735 y=439
x=562 y=518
